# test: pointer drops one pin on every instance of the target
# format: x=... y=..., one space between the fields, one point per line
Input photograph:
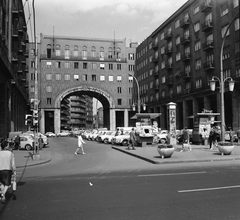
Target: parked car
x=106 y=138
x=26 y=142
x=44 y=137
x=50 y=134
x=162 y=136
x=122 y=139
x=63 y=134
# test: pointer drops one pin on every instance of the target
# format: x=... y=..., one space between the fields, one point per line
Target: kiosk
x=146 y=127
x=202 y=126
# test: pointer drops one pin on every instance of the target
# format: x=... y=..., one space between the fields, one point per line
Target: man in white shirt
x=7 y=169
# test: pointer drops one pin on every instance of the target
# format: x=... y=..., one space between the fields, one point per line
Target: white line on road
x=209 y=189
x=171 y=174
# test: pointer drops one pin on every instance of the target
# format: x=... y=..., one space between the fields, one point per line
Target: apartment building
x=177 y=60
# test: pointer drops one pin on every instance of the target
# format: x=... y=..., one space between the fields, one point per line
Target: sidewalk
x=199 y=153
x=25 y=158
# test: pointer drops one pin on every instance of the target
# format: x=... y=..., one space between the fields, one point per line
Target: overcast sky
x=131 y=19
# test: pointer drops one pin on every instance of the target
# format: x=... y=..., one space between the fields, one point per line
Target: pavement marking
x=209 y=189
x=172 y=174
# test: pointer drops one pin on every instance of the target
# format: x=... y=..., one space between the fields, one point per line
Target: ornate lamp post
x=138 y=97
x=222 y=80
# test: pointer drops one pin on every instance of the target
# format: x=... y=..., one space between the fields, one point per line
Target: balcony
x=169 y=66
x=155 y=59
x=207 y=25
x=206 y=6
x=168 y=35
x=170 y=81
x=14 y=57
x=186 y=57
x=184 y=22
x=187 y=91
x=185 y=39
x=208 y=66
x=155 y=73
x=154 y=45
x=168 y=50
x=187 y=75
x=208 y=45
x=156 y=87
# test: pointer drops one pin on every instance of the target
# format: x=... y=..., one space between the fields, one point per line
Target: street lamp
x=222 y=80
x=138 y=97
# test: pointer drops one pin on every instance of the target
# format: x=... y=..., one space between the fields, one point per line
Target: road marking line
x=172 y=174
x=209 y=189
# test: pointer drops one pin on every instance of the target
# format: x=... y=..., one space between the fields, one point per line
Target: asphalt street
x=108 y=184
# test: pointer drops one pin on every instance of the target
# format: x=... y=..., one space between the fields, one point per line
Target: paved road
x=107 y=184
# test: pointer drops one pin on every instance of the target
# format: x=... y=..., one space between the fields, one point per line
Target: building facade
x=177 y=60
x=13 y=68
x=98 y=68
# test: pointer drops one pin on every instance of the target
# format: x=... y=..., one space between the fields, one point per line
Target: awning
x=146 y=115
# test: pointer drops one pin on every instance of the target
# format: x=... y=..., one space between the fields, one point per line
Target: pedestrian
x=185 y=137
x=7 y=169
x=80 y=145
x=132 y=139
x=212 y=138
x=17 y=142
x=238 y=135
x=231 y=134
x=40 y=142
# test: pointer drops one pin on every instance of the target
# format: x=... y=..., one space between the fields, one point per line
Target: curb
x=34 y=164
x=171 y=161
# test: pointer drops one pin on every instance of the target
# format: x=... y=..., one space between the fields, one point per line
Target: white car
x=26 y=142
x=106 y=138
x=63 y=134
x=44 y=137
x=162 y=136
x=122 y=139
x=50 y=134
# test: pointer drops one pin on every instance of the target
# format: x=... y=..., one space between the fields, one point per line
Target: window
x=178 y=56
x=102 y=78
x=48 y=88
x=224 y=30
x=93 y=52
x=186 y=34
x=32 y=89
x=101 y=53
x=226 y=73
x=58 y=65
x=163 y=79
x=67 y=76
x=187 y=70
x=195 y=9
x=177 y=40
x=119 y=101
x=49 y=64
x=85 y=66
x=131 y=56
x=76 y=77
x=236 y=24
x=67 y=52
x=177 y=23
x=32 y=76
x=119 y=78
x=94 y=78
x=237 y=73
x=131 y=67
x=75 y=52
x=67 y=65
x=188 y=85
x=163 y=93
x=49 y=101
x=58 y=76
x=110 y=66
x=162 y=50
x=94 y=66
x=198 y=83
x=49 y=51
x=84 y=53
x=237 y=47
x=163 y=64
x=162 y=36
x=198 y=45
x=119 y=66
x=235 y=3
x=76 y=65
x=32 y=64
x=130 y=79
x=187 y=51
x=119 y=89
x=110 y=78
x=58 y=50
x=84 y=77
x=49 y=76
x=179 y=89
x=198 y=64
x=224 y=9
x=102 y=66
x=210 y=59
x=209 y=39
x=197 y=27
x=110 y=56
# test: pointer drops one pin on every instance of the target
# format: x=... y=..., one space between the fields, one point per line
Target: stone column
x=172 y=122
x=112 y=119
x=125 y=117
x=57 y=121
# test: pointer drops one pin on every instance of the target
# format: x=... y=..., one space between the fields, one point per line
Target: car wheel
x=28 y=147
x=105 y=141
x=162 y=141
x=125 y=143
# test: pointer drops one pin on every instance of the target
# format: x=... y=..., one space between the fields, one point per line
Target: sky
x=134 y=20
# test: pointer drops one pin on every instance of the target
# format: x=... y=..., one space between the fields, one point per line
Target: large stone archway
x=105 y=98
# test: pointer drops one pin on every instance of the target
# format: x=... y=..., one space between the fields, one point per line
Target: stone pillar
x=172 y=122
x=42 y=121
x=125 y=117
x=112 y=119
x=57 y=121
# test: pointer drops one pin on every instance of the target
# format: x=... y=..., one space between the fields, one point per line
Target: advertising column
x=172 y=123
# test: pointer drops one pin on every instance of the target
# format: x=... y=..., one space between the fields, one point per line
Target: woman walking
x=80 y=145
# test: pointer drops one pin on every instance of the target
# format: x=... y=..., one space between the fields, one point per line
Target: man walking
x=80 y=145
x=7 y=169
x=17 y=142
x=132 y=139
x=186 y=142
